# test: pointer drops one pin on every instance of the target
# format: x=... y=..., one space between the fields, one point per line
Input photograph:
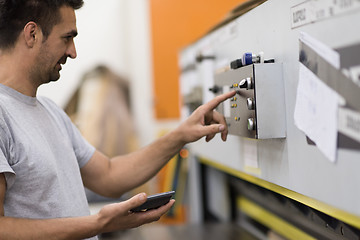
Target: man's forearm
x=145 y=163
x=60 y=228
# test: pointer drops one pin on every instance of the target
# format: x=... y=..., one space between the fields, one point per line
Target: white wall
x=115 y=33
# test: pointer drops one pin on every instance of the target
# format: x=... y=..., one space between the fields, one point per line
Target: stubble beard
x=43 y=72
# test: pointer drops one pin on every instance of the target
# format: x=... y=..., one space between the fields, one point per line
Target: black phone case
x=154 y=201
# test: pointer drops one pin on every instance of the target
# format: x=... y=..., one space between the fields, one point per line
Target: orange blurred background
x=175 y=24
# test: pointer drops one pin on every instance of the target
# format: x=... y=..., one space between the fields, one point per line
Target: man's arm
x=110 y=218
x=113 y=177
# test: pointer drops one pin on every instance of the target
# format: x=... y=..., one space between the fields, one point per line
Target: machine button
x=250 y=103
x=251 y=124
x=246 y=83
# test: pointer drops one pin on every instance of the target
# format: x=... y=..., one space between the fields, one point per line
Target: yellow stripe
x=252 y=170
x=341 y=215
x=271 y=221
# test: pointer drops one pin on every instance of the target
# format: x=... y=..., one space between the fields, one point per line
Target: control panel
x=258 y=109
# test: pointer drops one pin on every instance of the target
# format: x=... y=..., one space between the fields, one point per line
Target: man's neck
x=14 y=74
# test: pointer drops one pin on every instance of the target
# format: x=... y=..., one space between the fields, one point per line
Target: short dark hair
x=15 y=14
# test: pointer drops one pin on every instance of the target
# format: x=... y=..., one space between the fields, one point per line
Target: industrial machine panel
x=258 y=109
x=305 y=105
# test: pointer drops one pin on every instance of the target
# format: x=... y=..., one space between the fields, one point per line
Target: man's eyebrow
x=72 y=33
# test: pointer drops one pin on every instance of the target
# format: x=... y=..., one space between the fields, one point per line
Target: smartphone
x=154 y=201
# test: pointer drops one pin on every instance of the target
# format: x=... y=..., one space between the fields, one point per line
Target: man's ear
x=31 y=34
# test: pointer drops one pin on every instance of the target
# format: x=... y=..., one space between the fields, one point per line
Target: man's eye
x=68 y=38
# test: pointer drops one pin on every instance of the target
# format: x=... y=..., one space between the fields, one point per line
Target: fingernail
x=221 y=128
x=142 y=196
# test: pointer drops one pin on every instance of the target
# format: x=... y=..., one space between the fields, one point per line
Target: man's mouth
x=58 y=65
x=61 y=62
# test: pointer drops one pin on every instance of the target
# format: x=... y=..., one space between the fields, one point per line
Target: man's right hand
x=117 y=216
x=112 y=217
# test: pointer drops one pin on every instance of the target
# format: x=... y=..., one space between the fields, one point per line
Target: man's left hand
x=205 y=121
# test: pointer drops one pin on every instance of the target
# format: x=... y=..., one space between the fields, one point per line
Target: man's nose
x=71 y=51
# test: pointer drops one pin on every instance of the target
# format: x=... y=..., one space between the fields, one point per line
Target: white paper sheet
x=316 y=112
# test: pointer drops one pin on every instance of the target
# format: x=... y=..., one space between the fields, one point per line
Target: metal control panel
x=258 y=109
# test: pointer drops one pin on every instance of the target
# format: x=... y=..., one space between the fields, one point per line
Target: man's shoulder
x=53 y=108
x=50 y=104
x=47 y=101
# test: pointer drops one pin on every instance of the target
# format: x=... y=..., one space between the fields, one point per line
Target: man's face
x=56 y=49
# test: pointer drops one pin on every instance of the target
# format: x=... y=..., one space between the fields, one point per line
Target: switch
x=214 y=89
x=251 y=124
x=246 y=83
x=250 y=102
x=200 y=57
x=249 y=58
x=236 y=64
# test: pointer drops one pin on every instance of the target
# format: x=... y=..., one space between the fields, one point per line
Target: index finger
x=211 y=105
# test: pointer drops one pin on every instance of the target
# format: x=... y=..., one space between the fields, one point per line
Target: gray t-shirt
x=41 y=153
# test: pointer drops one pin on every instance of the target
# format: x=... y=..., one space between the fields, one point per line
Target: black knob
x=269 y=60
x=236 y=64
x=199 y=58
x=214 y=89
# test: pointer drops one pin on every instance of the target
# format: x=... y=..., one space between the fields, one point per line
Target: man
x=44 y=161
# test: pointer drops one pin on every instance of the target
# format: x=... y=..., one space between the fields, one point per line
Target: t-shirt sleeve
x=82 y=148
x=5 y=167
